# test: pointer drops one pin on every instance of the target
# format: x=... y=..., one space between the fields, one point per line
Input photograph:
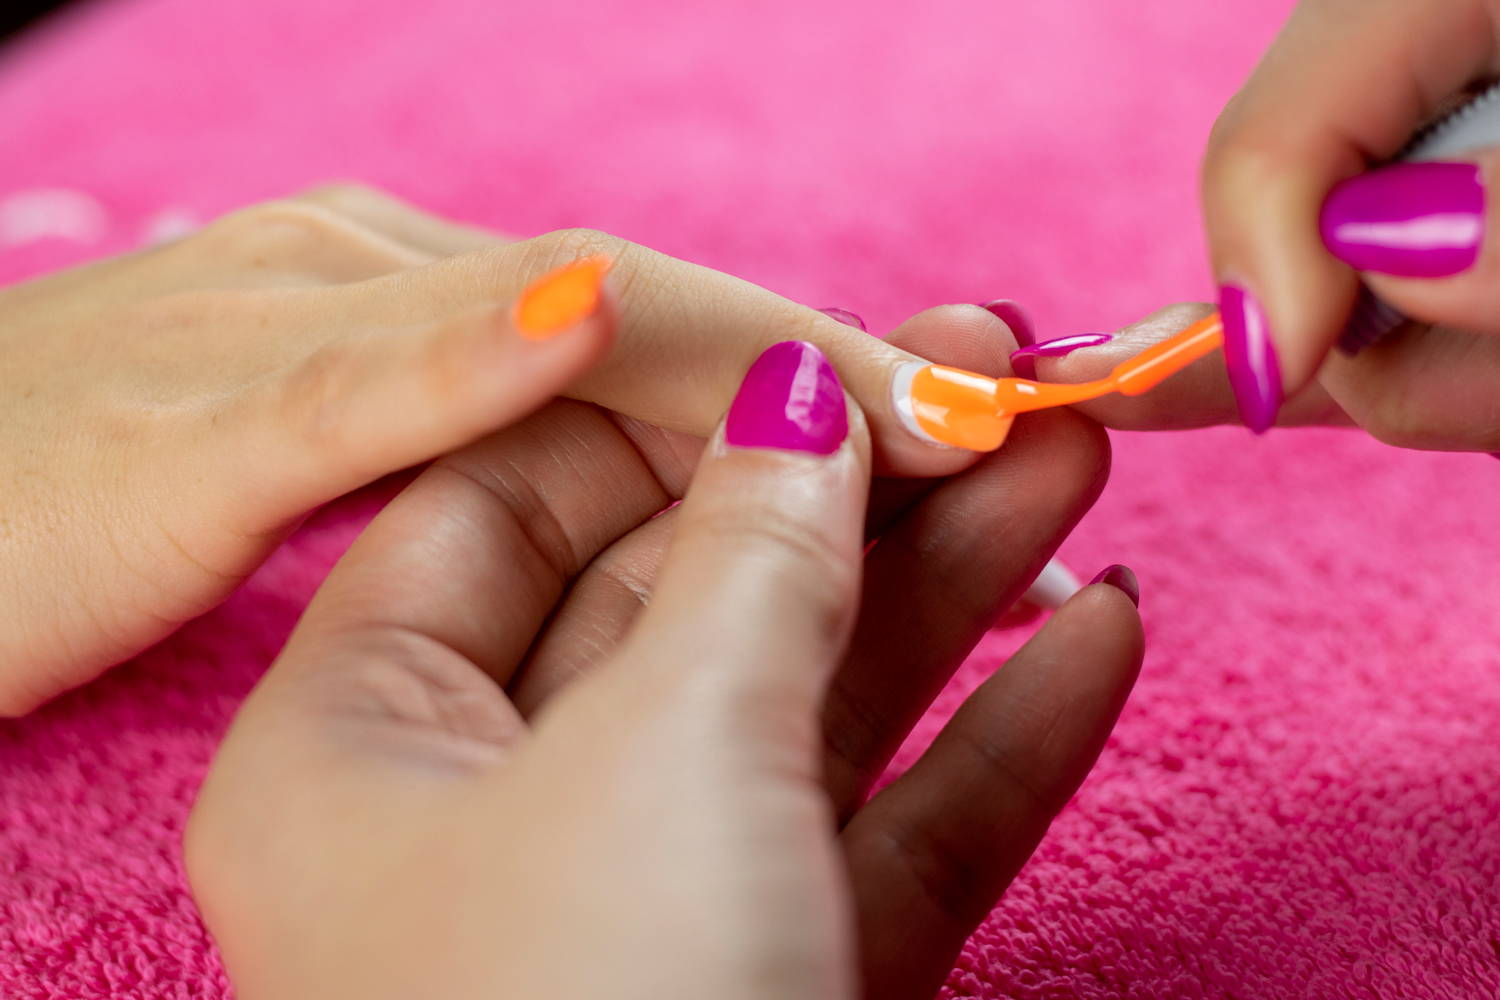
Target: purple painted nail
x=1011 y=313
x=1413 y=220
x=1121 y=578
x=790 y=399
x=1023 y=362
x=845 y=317
x=1254 y=374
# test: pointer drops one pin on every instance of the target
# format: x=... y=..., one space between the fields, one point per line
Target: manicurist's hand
x=1295 y=217
x=167 y=418
x=1299 y=211
x=511 y=751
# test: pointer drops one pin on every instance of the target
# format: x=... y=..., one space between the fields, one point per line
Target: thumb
x=1417 y=230
x=759 y=590
x=373 y=403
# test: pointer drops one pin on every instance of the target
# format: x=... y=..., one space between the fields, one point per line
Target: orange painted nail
x=950 y=406
x=561 y=299
x=968 y=410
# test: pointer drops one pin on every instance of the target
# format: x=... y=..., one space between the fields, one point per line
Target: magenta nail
x=845 y=317
x=791 y=399
x=1121 y=578
x=1013 y=316
x=1412 y=220
x=1023 y=362
x=1254 y=374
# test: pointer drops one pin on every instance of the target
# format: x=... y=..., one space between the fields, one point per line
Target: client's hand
x=167 y=418
x=480 y=769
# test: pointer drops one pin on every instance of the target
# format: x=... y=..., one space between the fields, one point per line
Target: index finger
x=1345 y=84
x=686 y=333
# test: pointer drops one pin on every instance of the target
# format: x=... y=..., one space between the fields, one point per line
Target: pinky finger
x=930 y=855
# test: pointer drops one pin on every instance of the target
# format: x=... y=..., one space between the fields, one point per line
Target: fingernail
x=845 y=317
x=1412 y=220
x=560 y=299
x=1250 y=357
x=791 y=400
x=1011 y=313
x=1023 y=362
x=949 y=407
x=1123 y=579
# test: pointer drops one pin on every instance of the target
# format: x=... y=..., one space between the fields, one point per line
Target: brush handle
x=1149 y=368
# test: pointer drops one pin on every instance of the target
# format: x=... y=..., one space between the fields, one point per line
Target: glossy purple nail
x=790 y=399
x=1023 y=362
x=845 y=317
x=1413 y=220
x=1123 y=579
x=1254 y=374
x=1011 y=313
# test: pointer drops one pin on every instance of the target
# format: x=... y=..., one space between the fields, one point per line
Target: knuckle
x=952 y=882
x=550 y=251
x=340 y=194
x=278 y=231
x=562 y=245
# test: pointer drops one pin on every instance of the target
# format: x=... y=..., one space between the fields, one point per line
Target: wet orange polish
x=561 y=299
x=951 y=406
x=968 y=410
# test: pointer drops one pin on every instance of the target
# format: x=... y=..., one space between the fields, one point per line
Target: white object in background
x=50 y=213
x=167 y=225
x=1053 y=585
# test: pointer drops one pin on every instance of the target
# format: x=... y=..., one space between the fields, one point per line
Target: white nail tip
x=902 y=403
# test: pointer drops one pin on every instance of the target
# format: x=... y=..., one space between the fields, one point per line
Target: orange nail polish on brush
x=561 y=299
x=967 y=410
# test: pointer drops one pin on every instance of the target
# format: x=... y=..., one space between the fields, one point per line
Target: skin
x=434 y=792
x=167 y=418
x=1345 y=85
x=687 y=704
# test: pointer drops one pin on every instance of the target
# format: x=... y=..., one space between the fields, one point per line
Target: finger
x=1346 y=83
x=685 y=335
x=941 y=576
x=1197 y=396
x=609 y=596
x=931 y=854
x=365 y=405
x=1417 y=230
x=281 y=244
x=762 y=576
x=977 y=339
x=475 y=554
x=1428 y=388
x=384 y=213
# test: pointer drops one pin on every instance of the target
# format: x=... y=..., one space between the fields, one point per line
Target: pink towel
x=1301 y=800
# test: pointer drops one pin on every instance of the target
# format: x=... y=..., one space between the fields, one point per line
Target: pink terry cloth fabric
x=1301 y=800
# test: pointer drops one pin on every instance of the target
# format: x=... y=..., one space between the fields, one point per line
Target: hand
x=167 y=418
x=1400 y=396
x=1348 y=83
x=452 y=785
